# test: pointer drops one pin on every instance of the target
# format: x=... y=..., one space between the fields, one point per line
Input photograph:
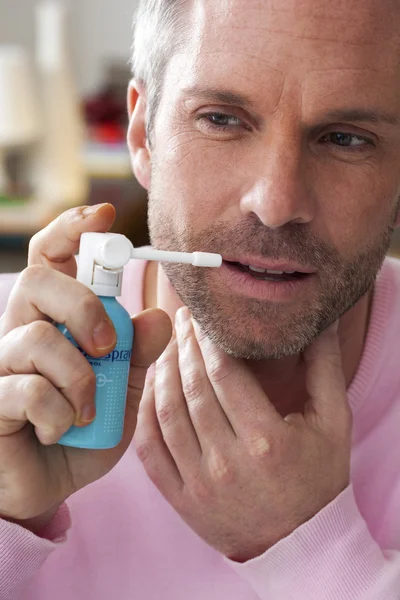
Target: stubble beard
x=260 y=330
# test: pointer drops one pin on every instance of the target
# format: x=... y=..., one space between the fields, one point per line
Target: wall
x=99 y=29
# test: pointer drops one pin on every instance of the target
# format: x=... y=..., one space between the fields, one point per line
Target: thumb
x=325 y=379
x=153 y=330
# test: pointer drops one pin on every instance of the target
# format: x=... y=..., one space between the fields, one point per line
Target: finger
x=173 y=415
x=153 y=331
x=252 y=416
x=207 y=416
x=55 y=245
x=44 y=294
x=151 y=448
x=39 y=348
x=32 y=398
x=325 y=379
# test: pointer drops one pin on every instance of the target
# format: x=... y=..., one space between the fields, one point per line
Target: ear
x=137 y=138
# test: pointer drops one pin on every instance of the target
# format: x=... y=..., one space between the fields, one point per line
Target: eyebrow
x=366 y=116
x=242 y=101
x=216 y=95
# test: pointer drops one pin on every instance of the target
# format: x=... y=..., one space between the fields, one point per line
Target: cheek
x=200 y=180
x=355 y=204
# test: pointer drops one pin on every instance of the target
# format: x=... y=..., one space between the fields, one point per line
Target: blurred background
x=64 y=72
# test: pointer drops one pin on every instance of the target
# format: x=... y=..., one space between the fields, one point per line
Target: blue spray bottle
x=102 y=257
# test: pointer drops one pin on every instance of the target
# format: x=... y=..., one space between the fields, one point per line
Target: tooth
x=275 y=272
x=257 y=269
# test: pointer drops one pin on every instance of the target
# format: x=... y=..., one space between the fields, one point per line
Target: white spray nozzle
x=102 y=257
x=197 y=259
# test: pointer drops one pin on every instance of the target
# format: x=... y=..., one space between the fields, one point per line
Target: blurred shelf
x=107 y=160
x=25 y=219
x=103 y=162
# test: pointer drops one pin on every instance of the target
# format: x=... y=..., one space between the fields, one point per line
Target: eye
x=216 y=121
x=346 y=140
x=221 y=120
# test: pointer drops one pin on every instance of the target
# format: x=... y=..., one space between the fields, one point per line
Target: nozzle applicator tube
x=197 y=259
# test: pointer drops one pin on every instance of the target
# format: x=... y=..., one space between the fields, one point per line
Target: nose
x=279 y=192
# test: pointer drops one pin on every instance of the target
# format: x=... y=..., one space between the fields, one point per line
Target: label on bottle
x=112 y=372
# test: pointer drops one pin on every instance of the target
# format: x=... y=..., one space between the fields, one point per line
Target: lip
x=270 y=265
x=244 y=284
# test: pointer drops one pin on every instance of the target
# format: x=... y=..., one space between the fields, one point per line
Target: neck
x=283 y=380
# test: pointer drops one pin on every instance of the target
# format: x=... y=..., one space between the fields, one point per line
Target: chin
x=264 y=343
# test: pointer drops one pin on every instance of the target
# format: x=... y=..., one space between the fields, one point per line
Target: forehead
x=262 y=44
x=357 y=25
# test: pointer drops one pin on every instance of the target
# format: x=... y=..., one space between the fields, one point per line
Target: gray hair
x=158 y=33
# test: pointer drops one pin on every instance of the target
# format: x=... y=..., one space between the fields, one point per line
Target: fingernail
x=92 y=210
x=104 y=335
x=182 y=315
x=87 y=415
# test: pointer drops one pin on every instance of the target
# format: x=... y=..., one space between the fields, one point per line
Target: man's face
x=277 y=144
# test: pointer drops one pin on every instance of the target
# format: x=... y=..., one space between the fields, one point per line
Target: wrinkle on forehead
x=268 y=38
x=349 y=22
x=340 y=53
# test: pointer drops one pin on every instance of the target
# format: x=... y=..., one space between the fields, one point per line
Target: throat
x=284 y=383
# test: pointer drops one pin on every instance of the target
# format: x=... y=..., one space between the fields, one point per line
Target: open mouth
x=268 y=275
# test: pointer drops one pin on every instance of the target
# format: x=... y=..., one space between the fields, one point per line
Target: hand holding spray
x=102 y=258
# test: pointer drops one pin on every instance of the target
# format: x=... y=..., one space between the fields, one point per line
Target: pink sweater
x=119 y=539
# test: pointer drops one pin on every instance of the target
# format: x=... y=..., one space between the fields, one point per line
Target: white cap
x=102 y=257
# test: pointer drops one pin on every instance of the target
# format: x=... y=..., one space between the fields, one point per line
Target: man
x=267 y=433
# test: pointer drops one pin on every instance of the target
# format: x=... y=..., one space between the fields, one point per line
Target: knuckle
x=32 y=275
x=41 y=332
x=258 y=446
x=167 y=413
x=41 y=406
x=220 y=469
x=144 y=451
x=192 y=386
x=72 y=214
x=218 y=370
x=37 y=391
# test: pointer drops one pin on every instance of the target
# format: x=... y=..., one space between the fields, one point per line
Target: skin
x=39 y=401
x=344 y=198
x=246 y=451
